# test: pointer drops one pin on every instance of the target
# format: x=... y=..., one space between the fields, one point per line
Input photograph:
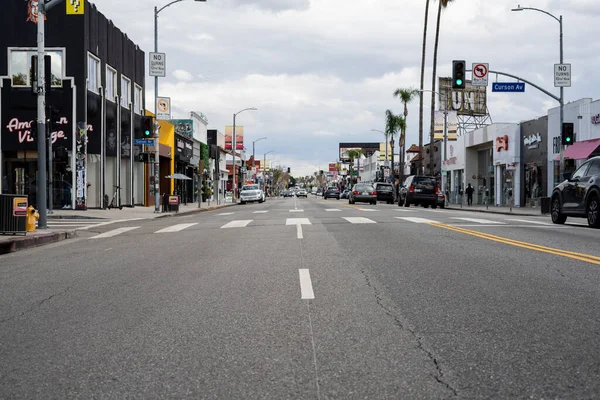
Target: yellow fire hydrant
x=32 y=217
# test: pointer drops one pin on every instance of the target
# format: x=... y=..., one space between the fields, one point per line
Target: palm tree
x=420 y=166
x=392 y=127
x=406 y=96
x=353 y=155
x=441 y=5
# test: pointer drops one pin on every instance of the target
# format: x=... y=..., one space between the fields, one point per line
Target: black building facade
x=534 y=137
x=97 y=82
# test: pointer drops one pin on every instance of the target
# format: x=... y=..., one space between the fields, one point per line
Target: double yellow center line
x=525 y=245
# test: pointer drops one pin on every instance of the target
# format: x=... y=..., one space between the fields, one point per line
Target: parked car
x=419 y=190
x=251 y=193
x=579 y=195
x=301 y=193
x=319 y=192
x=363 y=192
x=288 y=193
x=344 y=194
x=332 y=192
x=385 y=192
x=441 y=200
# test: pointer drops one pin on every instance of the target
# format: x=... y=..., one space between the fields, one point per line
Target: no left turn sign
x=480 y=74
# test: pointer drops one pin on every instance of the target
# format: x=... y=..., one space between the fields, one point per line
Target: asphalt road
x=306 y=299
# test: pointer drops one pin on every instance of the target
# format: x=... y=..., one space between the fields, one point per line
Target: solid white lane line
x=297 y=221
x=332 y=209
x=306 y=288
x=229 y=213
x=260 y=211
x=418 y=220
x=359 y=220
x=529 y=221
x=176 y=228
x=299 y=231
x=114 y=232
x=480 y=221
x=237 y=224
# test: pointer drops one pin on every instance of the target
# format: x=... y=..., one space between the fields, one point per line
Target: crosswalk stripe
x=528 y=221
x=297 y=221
x=237 y=224
x=367 y=209
x=114 y=232
x=359 y=220
x=228 y=213
x=404 y=209
x=260 y=212
x=480 y=221
x=418 y=220
x=332 y=209
x=175 y=228
x=296 y=210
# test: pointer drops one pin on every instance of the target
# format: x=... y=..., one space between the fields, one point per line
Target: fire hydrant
x=32 y=217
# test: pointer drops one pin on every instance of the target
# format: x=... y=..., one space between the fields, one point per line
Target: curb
x=21 y=243
x=196 y=211
x=492 y=211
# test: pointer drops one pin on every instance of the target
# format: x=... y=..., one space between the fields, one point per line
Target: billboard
x=438 y=125
x=183 y=127
x=366 y=149
x=470 y=101
x=332 y=167
x=382 y=153
x=239 y=137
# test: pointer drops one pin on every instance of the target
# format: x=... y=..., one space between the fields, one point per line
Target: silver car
x=251 y=193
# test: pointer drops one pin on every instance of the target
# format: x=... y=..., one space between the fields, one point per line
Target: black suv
x=579 y=195
x=417 y=190
x=385 y=192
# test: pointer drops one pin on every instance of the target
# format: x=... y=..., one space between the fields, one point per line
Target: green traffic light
x=459 y=82
x=568 y=139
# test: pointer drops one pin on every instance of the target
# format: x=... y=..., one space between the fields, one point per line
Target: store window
x=138 y=99
x=93 y=83
x=111 y=83
x=20 y=67
x=125 y=91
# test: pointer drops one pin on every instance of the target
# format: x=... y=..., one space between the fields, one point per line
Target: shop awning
x=581 y=150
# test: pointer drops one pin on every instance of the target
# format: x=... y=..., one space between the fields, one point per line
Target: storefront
x=183 y=156
x=492 y=155
x=534 y=136
x=455 y=168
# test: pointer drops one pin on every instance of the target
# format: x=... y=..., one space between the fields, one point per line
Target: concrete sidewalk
x=10 y=243
x=525 y=211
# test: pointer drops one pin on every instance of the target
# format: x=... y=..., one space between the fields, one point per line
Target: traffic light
x=146 y=127
x=288 y=170
x=568 y=134
x=458 y=74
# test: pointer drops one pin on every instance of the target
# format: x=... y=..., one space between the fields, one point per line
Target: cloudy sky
x=322 y=72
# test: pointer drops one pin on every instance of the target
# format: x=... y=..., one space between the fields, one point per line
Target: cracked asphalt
x=401 y=309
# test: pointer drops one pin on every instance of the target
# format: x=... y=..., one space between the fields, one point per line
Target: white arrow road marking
x=237 y=224
x=418 y=220
x=306 y=288
x=114 y=232
x=176 y=228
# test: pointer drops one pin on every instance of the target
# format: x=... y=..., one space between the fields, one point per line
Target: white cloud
x=323 y=71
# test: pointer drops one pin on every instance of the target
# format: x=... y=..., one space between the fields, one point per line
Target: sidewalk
x=524 y=211
x=10 y=243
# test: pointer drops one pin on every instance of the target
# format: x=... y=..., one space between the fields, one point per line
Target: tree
x=406 y=96
x=420 y=170
x=353 y=155
x=442 y=4
x=393 y=125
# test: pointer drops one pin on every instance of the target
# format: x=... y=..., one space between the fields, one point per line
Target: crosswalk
x=239 y=224
x=75 y=223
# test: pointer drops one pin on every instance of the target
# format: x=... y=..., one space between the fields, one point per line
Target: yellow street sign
x=75 y=7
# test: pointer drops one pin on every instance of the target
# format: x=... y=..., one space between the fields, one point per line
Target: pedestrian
x=165 y=201
x=470 y=191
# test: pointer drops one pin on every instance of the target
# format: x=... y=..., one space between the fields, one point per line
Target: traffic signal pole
x=156 y=126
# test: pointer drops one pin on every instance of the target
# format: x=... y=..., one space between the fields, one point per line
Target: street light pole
x=265 y=172
x=386 y=145
x=562 y=98
x=233 y=149
x=253 y=161
x=445 y=157
x=156 y=126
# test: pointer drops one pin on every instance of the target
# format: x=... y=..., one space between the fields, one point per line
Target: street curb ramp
x=21 y=243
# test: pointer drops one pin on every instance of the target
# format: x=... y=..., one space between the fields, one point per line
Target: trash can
x=13 y=214
x=174 y=203
x=545 y=205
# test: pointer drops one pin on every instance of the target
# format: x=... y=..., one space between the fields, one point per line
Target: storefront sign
x=183 y=127
x=502 y=143
x=532 y=141
x=596 y=119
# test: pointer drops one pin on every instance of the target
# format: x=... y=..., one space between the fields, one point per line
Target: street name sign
x=158 y=64
x=480 y=74
x=562 y=75
x=514 y=87
x=146 y=142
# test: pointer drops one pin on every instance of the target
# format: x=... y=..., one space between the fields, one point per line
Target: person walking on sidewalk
x=470 y=191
